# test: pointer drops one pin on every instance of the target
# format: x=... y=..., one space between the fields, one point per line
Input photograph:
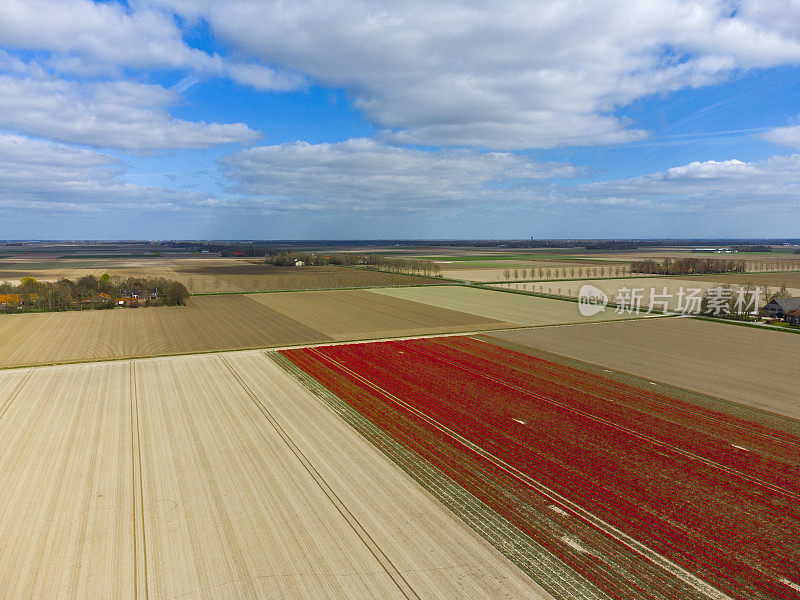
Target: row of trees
x=354 y=259
x=542 y=273
x=68 y=294
x=688 y=266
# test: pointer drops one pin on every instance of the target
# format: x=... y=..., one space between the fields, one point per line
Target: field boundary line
x=17 y=389
x=629 y=431
x=388 y=566
x=610 y=530
x=139 y=533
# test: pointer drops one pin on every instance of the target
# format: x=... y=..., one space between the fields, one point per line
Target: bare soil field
x=511 y=308
x=205 y=324
x=224 y=322
x=775 y=280
x=215 y=477
x=249 y=277
x=755 y=261
x=646 y=288
x=740 y=364
x=208 y=275
x=359 y=314
x=66 y=483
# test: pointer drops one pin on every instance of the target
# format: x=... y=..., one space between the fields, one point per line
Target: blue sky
x=155 y=119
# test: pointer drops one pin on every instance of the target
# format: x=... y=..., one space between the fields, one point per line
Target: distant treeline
x=353 y=259
x=688 y=266
x=261 y=247
x=87 y=292
x=752 y=248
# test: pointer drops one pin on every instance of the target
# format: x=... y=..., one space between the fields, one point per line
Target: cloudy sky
x=153 y=119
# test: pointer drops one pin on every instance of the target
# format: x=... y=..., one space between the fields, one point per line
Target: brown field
x=263 y=277
x=775 y=280
x=215 y=477
x=744 y=365
x=226 y=322
x=769 y=261
x=209 y=275
x=360 y=313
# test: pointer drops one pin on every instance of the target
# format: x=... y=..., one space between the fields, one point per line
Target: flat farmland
x=209 y=275
x=205 y=324
x=717 y=359
x=511 y=308
x=215 y=477
x=646 y=288
x=775 y=280
x=540 y=270
x=643 y=495
x=359 y=314
x=66 y=483
x=223 y=322
x=249 y=277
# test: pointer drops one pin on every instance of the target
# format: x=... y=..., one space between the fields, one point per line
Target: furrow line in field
x=140 y=585
x=16 y=392
x=388 y=566
x=610 y=530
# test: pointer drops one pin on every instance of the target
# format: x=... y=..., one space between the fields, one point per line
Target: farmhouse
x=134 y=297
x=99 y=299
x=777 y=308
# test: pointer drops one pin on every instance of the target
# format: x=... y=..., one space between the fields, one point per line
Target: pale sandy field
x=647 y=289
x=503 y=306
x=215 y=477
x=755 y=367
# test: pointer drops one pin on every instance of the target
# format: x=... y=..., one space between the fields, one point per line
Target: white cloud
x=364 y=175
x=121 y=114
x=758 y=188
x=39 y=175
x=785 y=136
x=91 y=38
x=506 y=74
